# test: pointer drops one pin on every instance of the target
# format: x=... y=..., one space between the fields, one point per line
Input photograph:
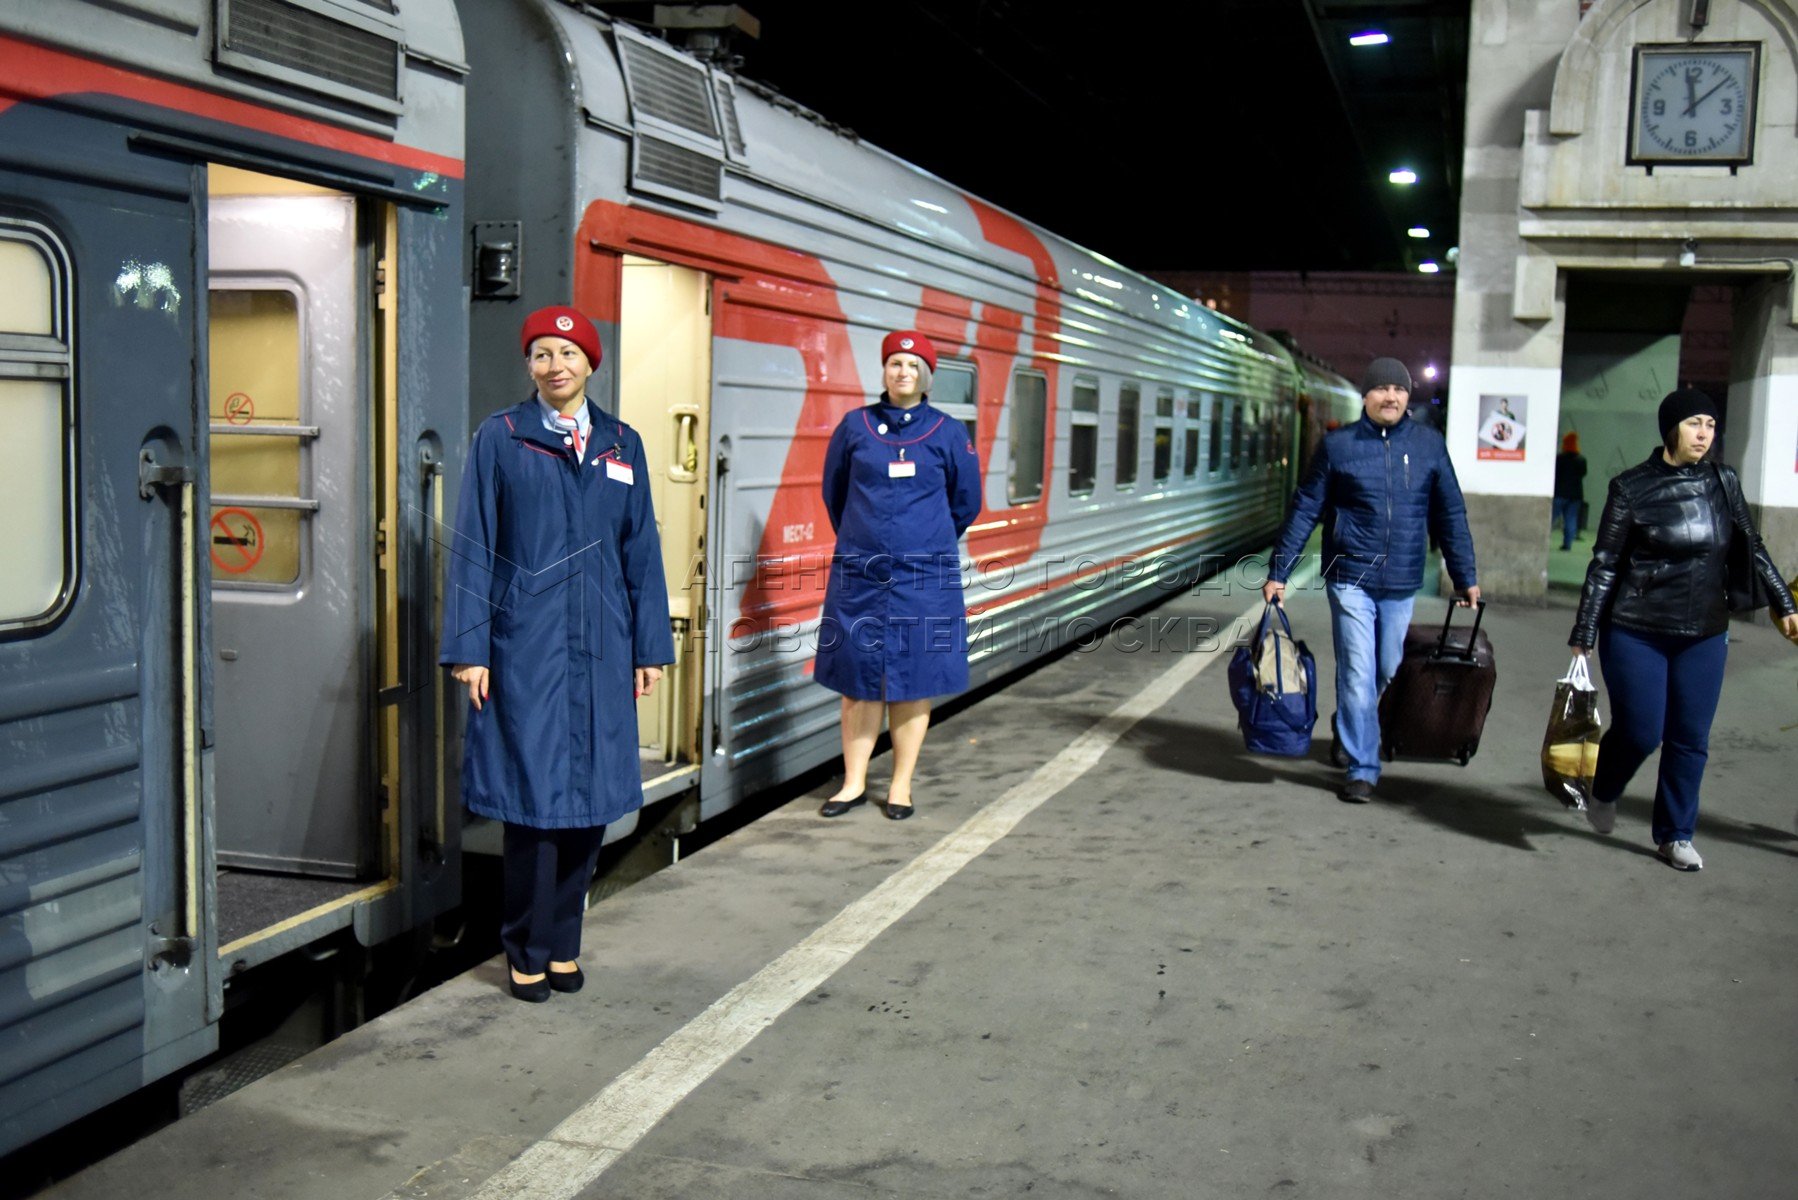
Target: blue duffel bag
x=1273 y=681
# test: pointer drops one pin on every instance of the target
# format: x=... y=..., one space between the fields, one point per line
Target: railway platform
x=1114 y=955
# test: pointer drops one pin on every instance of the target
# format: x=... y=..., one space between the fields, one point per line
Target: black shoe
x=898 y=812
x=566 y=981
x=530 y=993
x=1356 y=791
x=836 y=808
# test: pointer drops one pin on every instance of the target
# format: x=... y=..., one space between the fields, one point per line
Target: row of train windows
x=1253 y=431
x=35 y=367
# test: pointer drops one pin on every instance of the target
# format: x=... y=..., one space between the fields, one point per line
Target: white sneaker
x=1602 y=815
x=1680 y=856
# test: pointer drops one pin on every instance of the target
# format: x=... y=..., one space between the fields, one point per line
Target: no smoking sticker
x=239 y=408
x=237 y=541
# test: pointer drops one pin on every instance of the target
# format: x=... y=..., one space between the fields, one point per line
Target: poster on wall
x=1502 y=427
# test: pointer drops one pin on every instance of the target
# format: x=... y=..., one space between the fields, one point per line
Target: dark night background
x=1203 y=135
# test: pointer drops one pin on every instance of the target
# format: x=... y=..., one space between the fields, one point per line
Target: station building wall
x=1549 y=202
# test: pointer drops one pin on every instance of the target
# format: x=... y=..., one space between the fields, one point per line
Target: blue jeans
x=1566 y=515
x=1663 y=692
x=1369 y=633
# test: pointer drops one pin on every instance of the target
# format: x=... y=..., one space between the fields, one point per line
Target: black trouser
x=546 y=877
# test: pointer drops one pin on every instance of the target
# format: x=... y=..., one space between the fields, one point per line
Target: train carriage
x=262 y=266
x=231 y=338
x=746 y=257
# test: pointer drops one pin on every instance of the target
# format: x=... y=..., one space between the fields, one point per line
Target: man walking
x=1380 y=486
x=1570 y=490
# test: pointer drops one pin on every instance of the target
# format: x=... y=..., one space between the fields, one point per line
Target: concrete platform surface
x=1188 y=972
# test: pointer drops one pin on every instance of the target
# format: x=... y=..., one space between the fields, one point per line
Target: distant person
x=555 y=619
x=1656 y=604
x=901 y=486
x=1379 y=486
x=1570 y=489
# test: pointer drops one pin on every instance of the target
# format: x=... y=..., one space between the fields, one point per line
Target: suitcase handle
x=1442 y=650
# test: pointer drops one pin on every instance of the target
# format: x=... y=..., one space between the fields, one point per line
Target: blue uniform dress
x=556 y=586
x=901 y=487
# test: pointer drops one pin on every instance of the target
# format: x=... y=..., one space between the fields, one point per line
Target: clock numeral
x=1691 y=139
x=1660 y=108
x=1729 y=106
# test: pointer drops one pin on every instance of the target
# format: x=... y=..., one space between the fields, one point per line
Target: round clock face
x=1694 y=106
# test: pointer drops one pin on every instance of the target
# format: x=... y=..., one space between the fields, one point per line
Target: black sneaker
x=1356 y=791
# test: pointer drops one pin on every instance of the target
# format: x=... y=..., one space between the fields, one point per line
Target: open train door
x=665 y=368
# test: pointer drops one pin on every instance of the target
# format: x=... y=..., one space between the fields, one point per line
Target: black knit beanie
x=1384 y=372
x=1686 y=402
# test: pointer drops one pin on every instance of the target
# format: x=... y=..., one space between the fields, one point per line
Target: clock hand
x=1691 y=91
x=1692 y=108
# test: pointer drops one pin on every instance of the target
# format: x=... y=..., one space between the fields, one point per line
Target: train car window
x=1129 y=433
x=37 y=489
x=1216 y=453
x=953 y=389
x=1029 y=405
x=1193 y=413
x=257 y=437
x=1236 y=435
x=1164 y=436
x=1083 y=439
x=1254 y=435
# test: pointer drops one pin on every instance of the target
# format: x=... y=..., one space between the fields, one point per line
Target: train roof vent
x=679 y=152
x=665 y=86
x=727 y=112
x=674 y=170
x=324 y=48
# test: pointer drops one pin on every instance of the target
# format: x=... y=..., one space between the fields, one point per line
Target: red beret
x=908 y=341
x=558 y=320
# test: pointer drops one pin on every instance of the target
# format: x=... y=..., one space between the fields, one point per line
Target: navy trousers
x=546 y=877
x=1663 y=692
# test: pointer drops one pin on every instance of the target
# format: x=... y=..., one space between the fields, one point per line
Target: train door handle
x=685 y=468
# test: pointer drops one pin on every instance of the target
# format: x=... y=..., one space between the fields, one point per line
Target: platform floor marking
x=585 y=1145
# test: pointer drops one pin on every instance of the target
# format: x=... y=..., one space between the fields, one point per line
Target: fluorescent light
x=1372 y=37
x=1428 y=268
x=1417 y=231
x=1402 y=175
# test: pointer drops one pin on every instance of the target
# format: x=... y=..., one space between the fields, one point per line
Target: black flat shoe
x=530 y=993
x=898 y=812
x=566 y=981
x=836 y=808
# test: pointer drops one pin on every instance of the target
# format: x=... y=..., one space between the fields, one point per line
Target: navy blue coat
x=555 y=585
x=1381 y=493
x=901 y=487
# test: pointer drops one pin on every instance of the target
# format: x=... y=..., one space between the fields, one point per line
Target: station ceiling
x=1197 y=135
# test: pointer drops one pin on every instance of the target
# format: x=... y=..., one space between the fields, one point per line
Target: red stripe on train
x=33 y=72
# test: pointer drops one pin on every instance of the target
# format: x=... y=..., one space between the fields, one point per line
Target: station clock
x=1693 y=104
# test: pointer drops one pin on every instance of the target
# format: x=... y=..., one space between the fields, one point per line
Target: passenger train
x=262 y=267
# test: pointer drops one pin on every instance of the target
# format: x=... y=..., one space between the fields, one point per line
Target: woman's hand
x=477 y=680
x=1788 y=625
x=1580 y=651
x=646 y=679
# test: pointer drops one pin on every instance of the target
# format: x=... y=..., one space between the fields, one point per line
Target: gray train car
x=232 y=329
x=744 y=258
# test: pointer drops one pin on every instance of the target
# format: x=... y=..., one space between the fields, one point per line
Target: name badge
x=901 y=470
x=622 y=472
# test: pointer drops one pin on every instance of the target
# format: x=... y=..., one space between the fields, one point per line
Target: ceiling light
x=1372 y=37
x=1429 y=372
x=1402 y=175
x=1417 y=231
x=1428 y=268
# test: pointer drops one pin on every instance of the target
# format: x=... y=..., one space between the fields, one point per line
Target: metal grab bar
x=221 y=500
x=299 y=431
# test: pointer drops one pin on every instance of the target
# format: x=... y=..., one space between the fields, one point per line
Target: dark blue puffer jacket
x=1380 y=493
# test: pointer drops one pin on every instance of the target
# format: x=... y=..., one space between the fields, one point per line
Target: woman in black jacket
x=1657 y=603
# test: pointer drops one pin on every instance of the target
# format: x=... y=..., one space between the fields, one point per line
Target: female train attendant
x=901 y=484
x=1656 y=602
x=555 y=619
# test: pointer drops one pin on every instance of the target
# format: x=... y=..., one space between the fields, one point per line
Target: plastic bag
x=1570 y=744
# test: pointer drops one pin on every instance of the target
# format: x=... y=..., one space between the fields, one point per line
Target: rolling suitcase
x=1435 y=707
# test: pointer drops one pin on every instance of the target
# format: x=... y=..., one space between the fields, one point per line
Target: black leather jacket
x=1658 y=566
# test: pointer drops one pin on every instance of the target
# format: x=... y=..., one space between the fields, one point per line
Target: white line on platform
x=600 y=1132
